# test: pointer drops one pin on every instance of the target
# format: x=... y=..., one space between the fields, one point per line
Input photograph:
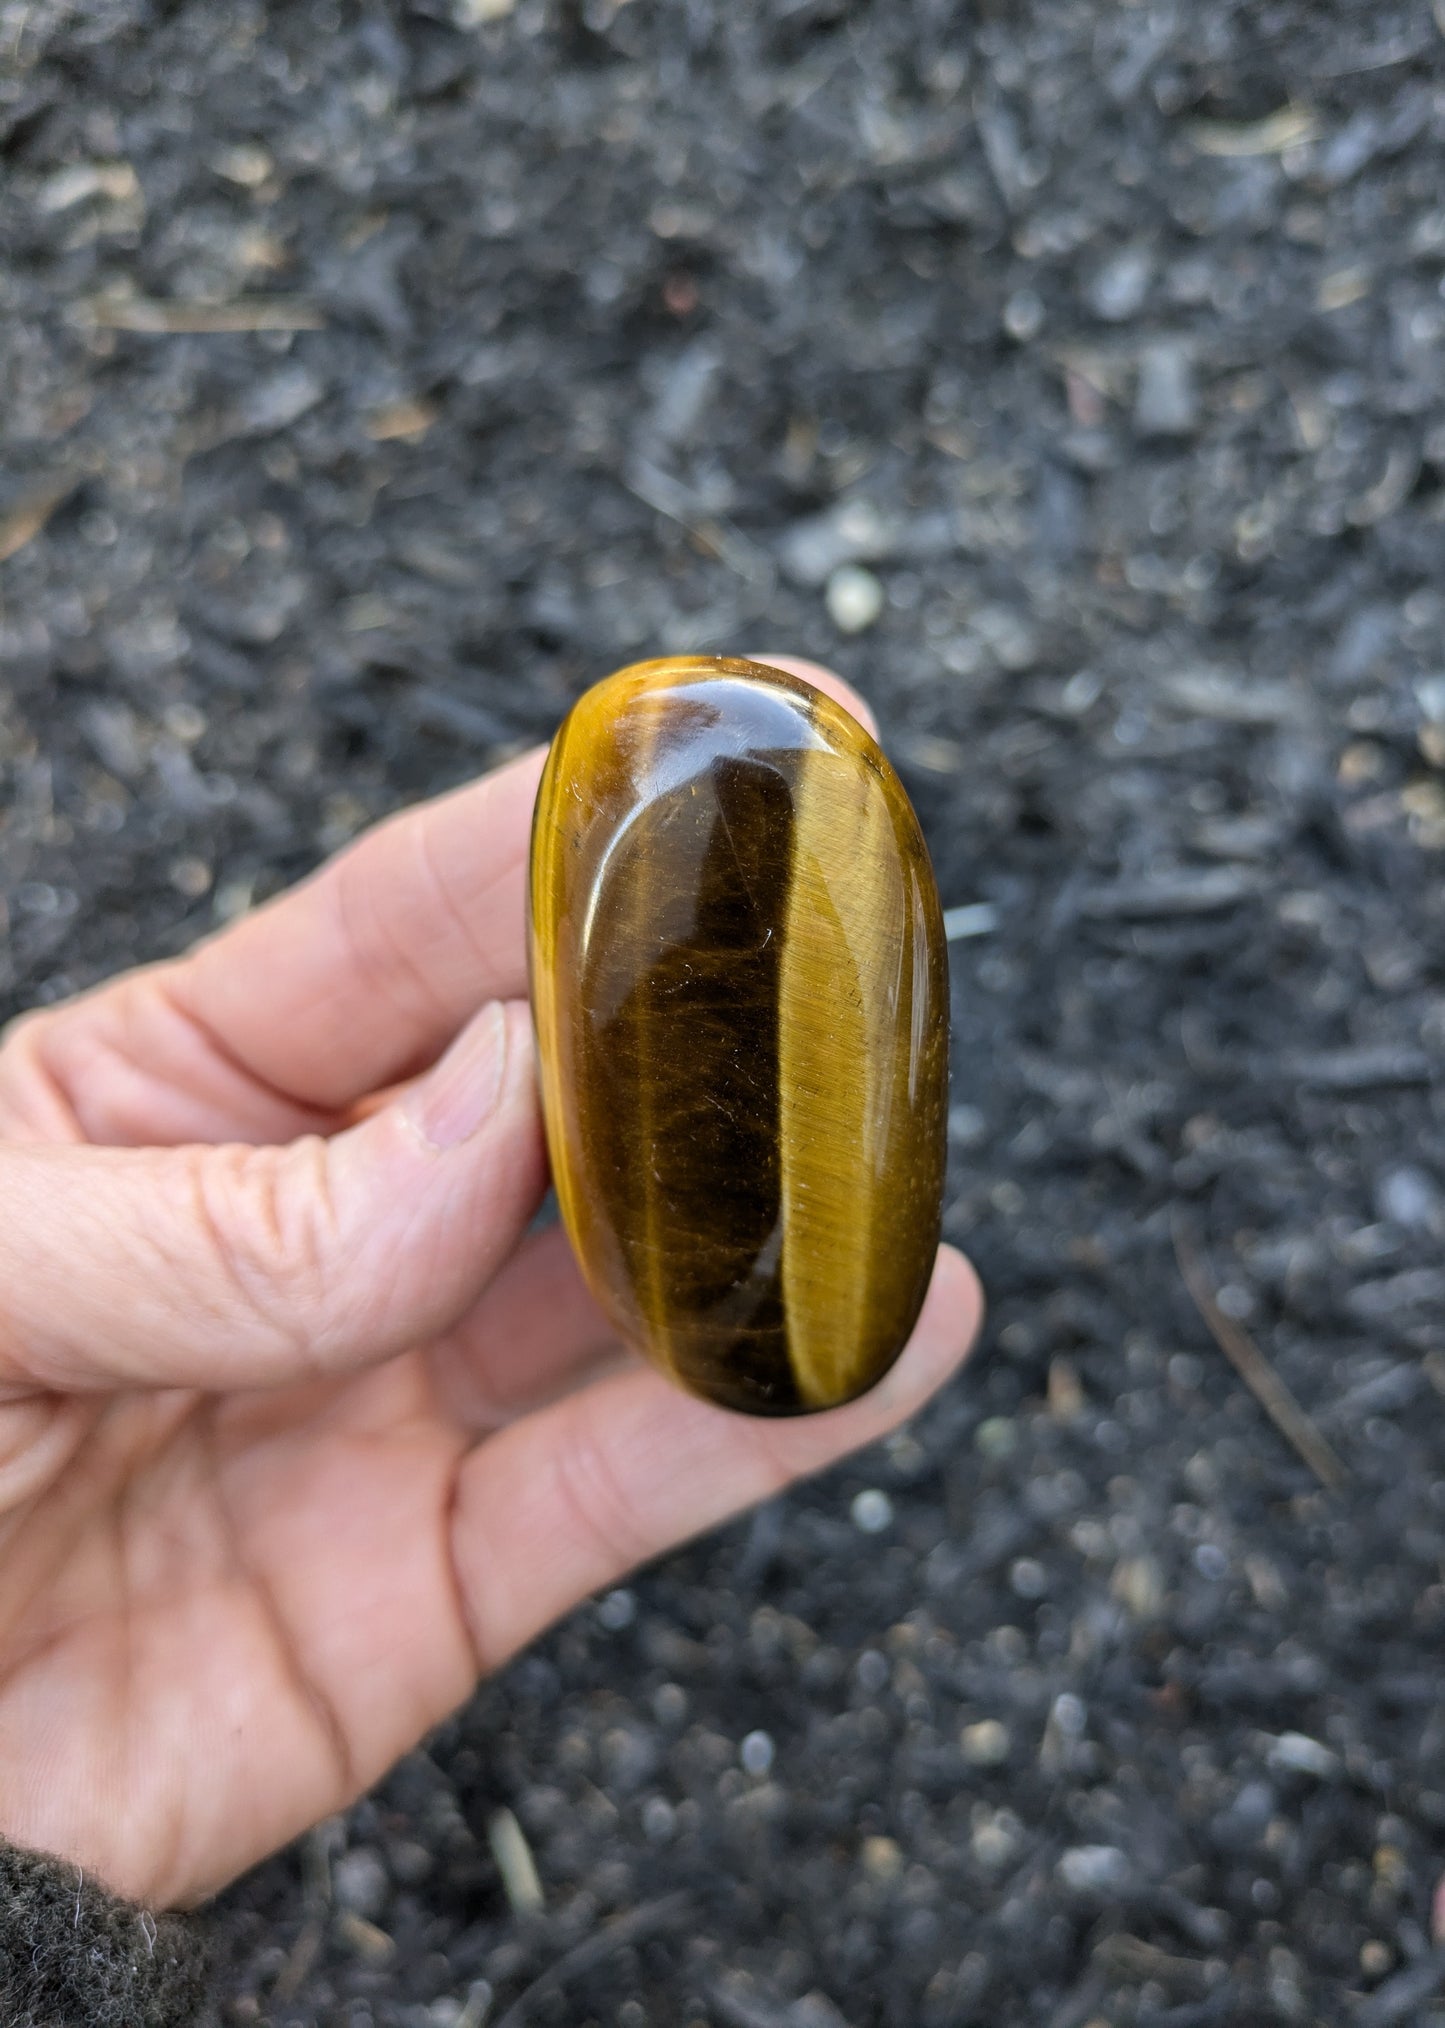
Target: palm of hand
x=299 y=1430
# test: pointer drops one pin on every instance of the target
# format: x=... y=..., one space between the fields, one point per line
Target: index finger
x=367 y=970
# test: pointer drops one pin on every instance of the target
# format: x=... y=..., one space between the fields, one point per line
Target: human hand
x=300 y=1430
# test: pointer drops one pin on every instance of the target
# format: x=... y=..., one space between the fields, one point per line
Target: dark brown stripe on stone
x=692 y=1175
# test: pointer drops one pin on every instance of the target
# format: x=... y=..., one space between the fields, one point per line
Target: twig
x=161 y=319
x=595 y=1949
x=1253 y=1368
x=1187 y=892
x=23 y=523
x=666 y=496
x=479 y=1999
x=298 y=1963
x=515 y=1863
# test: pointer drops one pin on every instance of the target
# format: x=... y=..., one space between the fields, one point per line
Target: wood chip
x=300 y=1959
x=1184 y=892
x=364 y=1939
x=151 y=318
x=247 y=165
x=515 y=1863
x=1232 y=140
x=1341 y=287
x=400 y=419
x=1065 y=1394
x=1254 y=1369
x=1132 y=1958
x=1362 y=1069
x=928 y=750
x=23 y=523
x=1390 y=491
x=77 y=181
x=478 y=2006
x=1229 y=698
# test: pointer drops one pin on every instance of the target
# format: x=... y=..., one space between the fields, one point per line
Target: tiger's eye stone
x=741 y=995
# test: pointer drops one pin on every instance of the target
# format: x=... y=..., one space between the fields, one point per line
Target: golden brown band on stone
x=740 y=989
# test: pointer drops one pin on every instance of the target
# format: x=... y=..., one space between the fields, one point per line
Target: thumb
x=220 y=1267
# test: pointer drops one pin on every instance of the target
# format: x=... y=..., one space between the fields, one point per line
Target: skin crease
x=299 y=1433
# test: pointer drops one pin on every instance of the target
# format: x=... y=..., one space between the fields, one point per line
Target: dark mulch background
x=1107 y=338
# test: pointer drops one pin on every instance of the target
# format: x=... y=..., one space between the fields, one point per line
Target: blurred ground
x=1105 y=341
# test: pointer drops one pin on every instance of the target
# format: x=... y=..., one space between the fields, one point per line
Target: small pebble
x=185 y=722
x=756 y=1753
x=854 y=598
x=815 y=2010
x=1166 y=400
x=233 y=898
x=872 y=1671
x=1138 y=1584
x=617 y=1610
x=882 y=1857
x=1297 y=1751
x=1069 y=1715
x=970 y=919
x=191 y=877
x=986 y=1744
x=1093 y=1869
x=1117 y=291
x=410 y=1861
x=659 y=1819
x=359 y=1881
x=967 y=1127
x=1376 y=1958
x=1408 y=1196
x=872 y=1511
x=1023 y=315
x=997 y=1437
x=1430 y=690
x=37 y=897
x=669 y=1704
x=1028 y=1578
x=246 y=165
x=1065 y=1395
x=996 y=1838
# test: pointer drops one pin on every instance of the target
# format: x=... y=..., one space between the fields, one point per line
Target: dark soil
x=1108 y=339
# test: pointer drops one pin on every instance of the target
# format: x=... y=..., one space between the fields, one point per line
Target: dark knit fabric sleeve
x=74 y=1956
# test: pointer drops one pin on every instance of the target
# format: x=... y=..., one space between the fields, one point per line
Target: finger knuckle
x=265 y=1222
x=604 y=1511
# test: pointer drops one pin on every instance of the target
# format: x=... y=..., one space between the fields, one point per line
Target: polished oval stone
x=740 y=987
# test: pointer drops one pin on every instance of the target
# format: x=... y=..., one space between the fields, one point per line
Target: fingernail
x=459 y=1095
